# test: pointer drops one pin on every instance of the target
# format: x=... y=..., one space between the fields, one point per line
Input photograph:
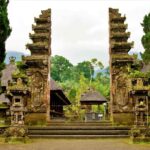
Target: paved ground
x=76 y=144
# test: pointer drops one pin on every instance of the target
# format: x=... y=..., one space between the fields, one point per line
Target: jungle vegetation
x=77 y=79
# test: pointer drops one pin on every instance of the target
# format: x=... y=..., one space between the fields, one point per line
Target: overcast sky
x=79 y=28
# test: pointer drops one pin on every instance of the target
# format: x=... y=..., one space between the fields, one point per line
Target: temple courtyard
x=76 y=144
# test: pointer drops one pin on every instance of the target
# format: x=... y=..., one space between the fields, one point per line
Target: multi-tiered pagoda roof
x=119 y=45
x=41 y=37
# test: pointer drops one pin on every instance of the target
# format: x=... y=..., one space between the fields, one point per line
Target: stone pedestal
x=140 y=134
x=15 y=134
x=123 y=118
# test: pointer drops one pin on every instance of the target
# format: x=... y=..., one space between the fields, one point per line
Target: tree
x=97 y=63
x=61 y=68
x=146 y=38
x=86 y=69
x=5 y=29
x=74 y=111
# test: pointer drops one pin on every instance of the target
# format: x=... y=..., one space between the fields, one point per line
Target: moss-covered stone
x=140 y=134
x=36 y=119
x=15 y=134
x=123 y=118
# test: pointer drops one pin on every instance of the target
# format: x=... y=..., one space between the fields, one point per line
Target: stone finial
x=12 y=59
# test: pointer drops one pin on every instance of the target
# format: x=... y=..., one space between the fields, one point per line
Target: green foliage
x=86 y=69
x=75 y=80
x=146 y=38
x=3 y=105
x=101 y=84
x=20 y=72
x=5 y=29
x=61 y=68
x=2 y=66
x=146 y=23
x=96 y=63
x=139 y=74
x=21 y=66
x=74 y=112
x=107 y=71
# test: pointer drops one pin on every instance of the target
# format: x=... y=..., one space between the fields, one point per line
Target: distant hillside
x=15 y=54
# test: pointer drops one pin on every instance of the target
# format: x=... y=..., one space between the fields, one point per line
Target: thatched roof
x=146 y=68
x=92 y=97
x=54 y=86
x=57 y=94
x=7 y=74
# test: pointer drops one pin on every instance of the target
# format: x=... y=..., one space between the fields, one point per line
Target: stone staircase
x=103 y=129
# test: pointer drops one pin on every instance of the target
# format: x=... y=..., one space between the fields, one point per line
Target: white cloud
x=79 y=28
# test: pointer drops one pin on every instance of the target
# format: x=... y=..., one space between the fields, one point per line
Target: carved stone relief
x=37 y=88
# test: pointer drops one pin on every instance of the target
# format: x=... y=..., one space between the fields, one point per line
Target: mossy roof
x=92 y=97
x=57 y=93
x=7 y=74
x=54 y=85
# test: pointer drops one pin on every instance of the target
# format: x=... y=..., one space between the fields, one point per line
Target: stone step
x=79 y=124
x=92 y=121
x=93 y=129
x=77 y=132
x=79 y=128
x=76 y=122
x=78 y=136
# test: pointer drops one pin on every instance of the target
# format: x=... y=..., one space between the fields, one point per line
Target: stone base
x=140 y=134
x=15 y=134
x=16 y=139
x=35 y=119
x=123 y=118
x=141 y=139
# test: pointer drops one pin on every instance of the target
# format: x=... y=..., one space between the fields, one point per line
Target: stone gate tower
x=120 y=62
x=38 y=66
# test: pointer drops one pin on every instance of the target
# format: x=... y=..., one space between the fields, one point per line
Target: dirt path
x=77 y=144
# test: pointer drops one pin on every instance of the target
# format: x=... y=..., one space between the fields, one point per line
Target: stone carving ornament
x=37 y=89
x=121 y=88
